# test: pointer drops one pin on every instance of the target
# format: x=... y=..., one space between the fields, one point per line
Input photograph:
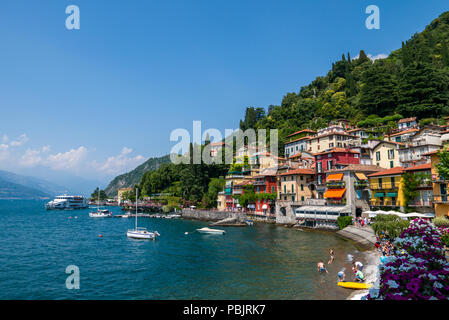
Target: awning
x=335 y=177
x=392 y=195
x=380 y=195
x=334 y=193
x=361 y=176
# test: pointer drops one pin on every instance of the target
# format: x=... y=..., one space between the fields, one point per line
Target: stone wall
x=285 y=212
x=206 y=215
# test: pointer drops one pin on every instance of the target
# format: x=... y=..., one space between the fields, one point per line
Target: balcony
x=384 y=186
x=260 y=183
x=361 y=184
x=383 y=203
x=421 y=203
x=336 y=185
x=441 y=198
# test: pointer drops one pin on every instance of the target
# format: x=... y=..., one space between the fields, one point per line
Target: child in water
x=321 y=268
x=331 y=253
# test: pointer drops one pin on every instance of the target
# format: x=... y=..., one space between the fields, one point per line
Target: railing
x=441 y=198
x=384 y=185
x=336 y=184
x=318 y=216
x=361 y=184
x=384 y=203
x=421 y=203
x=260 y=183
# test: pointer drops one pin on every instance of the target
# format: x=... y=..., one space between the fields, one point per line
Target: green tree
x=99 y=193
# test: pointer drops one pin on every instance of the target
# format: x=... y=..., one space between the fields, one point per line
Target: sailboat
x=100 y=213
x=141 y=233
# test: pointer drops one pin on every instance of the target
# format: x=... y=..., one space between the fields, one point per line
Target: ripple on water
x=259 y=262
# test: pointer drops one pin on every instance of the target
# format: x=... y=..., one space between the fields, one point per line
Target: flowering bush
x=419 y=269
x=445 y=235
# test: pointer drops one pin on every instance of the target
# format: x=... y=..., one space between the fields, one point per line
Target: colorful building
x=440 y=187
x=424 y=200
x=387 y=188
x=386 y=154
x=336 y=158
x=266 y=183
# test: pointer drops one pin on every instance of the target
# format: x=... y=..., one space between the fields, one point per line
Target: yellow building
x=120 y=192
x=440 y=188
x=295 y=185
x=221 y=201
x=386 y=155
x=387 y=188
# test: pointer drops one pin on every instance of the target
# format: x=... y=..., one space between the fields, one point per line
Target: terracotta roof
x=358 y=167
x=426 y=166
x=293 y=141
x=335 y=150
x=389 y=172
x=298 y=171
x=217 y=144
x=302 y=131
x=407 y=120
x=404 y=132
x=333 y=134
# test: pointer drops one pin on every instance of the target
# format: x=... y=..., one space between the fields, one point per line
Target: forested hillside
x=412 y=81
x=133 y=177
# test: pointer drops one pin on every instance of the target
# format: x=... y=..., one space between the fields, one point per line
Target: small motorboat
x=249 y=222
x=142 y=233
x=101 y=214
x=211 y=231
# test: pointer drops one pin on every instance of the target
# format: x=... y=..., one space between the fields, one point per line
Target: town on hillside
x=341 y=170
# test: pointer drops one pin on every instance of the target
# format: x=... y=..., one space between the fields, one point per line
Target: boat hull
x=141 y=235
x=355 y=285
x=210 y=231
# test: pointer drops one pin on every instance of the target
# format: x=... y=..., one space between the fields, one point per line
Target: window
x=391 y=164
x=392 y=182
x=293 y=188
x=378 y=155
x=302 y=198
x=302 y=178
x=320 y=167
x=293 y=178
x=302 y=187
x=285 y=189
x=331 y=145
x=380 y=183
x=320 y=180
x=293 y=198
x=272 y=189
x=391 y=154
x=356 y=155
x=329 y=165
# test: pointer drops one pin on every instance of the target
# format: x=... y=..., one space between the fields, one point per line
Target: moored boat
x=211 y=231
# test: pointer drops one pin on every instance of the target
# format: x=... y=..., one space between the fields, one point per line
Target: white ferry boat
x=66 y=202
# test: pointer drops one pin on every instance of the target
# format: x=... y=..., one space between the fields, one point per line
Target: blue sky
x=98 y=101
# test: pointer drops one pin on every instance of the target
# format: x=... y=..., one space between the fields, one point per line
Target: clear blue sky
x=136 y=70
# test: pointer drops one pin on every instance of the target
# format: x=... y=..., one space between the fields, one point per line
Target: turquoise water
x=259 y=262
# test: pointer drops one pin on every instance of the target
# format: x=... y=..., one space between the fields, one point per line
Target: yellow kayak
x=355 y=285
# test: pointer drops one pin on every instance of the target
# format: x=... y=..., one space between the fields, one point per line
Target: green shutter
x=392 y=195
x=379 y=195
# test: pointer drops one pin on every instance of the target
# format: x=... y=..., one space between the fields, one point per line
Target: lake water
x=259 y=262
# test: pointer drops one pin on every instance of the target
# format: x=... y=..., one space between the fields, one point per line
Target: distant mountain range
x=14 y=186
x=133 y=177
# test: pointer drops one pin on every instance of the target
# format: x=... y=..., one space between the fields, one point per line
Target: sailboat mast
x=136 y=208
x=98 y=202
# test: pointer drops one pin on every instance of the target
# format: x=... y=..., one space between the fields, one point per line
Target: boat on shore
x=355 y=285
x=210 y=231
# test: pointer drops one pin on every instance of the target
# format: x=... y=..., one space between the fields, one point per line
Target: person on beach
x=341 y=276
x=359 y=276
x=321 y=268
x=331 y=253
x=359 y=265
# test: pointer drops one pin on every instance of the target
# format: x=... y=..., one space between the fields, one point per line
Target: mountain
x=30 y=186
x=133 y=177
x=411 y=81
x=10 y=190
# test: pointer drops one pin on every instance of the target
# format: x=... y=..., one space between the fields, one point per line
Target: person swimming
x=321 y=268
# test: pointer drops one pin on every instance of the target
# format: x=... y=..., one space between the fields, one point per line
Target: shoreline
x=371 y=273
